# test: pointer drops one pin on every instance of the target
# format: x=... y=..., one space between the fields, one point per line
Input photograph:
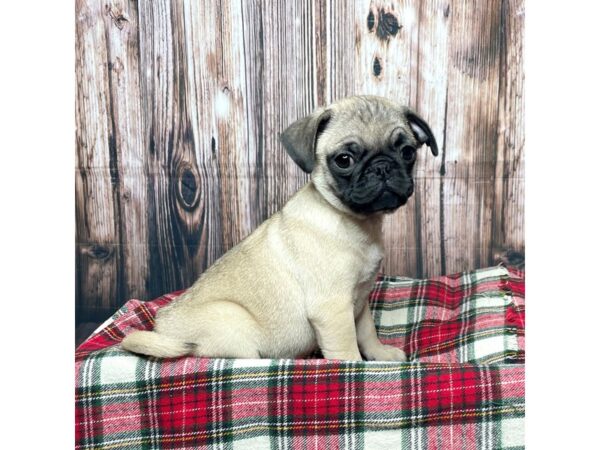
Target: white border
x=561 y=223
x=37 y=223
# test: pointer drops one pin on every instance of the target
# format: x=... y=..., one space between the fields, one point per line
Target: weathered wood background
x=179 y=105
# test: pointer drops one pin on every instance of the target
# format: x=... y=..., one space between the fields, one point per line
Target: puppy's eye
x=408 y=154
x=344 y=160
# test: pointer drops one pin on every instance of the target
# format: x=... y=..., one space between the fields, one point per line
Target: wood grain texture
x=180 y=104
x=96 y=179
x=470 y=147
x=509 y=231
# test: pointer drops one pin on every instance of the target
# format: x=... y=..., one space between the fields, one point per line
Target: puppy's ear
x=422 y=131
x=300 y=138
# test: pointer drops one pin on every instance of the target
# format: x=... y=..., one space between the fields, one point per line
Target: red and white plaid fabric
x=463 y=387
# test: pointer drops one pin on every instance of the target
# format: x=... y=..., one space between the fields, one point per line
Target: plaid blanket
x=462 y=388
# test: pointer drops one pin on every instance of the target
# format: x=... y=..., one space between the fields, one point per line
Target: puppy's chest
x=366 y=276
x=369 y=262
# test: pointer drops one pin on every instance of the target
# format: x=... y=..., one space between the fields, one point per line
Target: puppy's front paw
x=385 y=353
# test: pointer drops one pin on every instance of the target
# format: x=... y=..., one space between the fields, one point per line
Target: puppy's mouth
x=386 y=201
x=384 y=196
x=390 y=201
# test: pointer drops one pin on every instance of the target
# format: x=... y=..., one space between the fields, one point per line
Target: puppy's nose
x=381 y=167
x=410 y=189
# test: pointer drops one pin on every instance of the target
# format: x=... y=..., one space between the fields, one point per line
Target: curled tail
x=154 y=344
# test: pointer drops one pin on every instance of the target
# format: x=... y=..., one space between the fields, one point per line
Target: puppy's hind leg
x=226 y=330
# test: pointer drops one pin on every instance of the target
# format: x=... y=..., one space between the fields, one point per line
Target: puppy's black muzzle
x=383 y=185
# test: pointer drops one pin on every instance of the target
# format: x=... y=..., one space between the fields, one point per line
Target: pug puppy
x=302 y=278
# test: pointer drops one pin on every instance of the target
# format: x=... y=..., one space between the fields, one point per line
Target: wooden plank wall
x=179 y=105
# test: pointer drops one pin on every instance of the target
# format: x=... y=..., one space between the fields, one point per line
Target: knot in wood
x=97 y=251
x=376 y=67
x=187 y=189
x=119 y=18
x=370 y=21
x=387 y=25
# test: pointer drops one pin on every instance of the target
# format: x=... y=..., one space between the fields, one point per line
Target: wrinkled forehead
x=372 y=126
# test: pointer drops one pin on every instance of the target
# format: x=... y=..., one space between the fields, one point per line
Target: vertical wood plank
x=289 y=91
x=471 y=139
x=96 y=175
x=183 y=176
x=324 y=44
x=430 y=102
x=343 y=41
x=205 y=104
x=237 y=161
x=128 y=137
x=157 y=55
x=255 y=97
x=508 y=211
